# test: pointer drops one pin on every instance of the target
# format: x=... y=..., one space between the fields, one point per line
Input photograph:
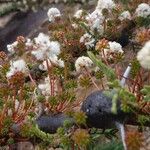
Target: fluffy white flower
x=54 y=47
x=53 y=13
x=83 y=62
x=40 y=53
x=143 y=56
x=42 y=39
x=18 y=65
x=143 y=10
x=87 y=40
x=78 y=14
x=125 y=15
x=95 y=20
x=11 y=47
x=44 y=53
x=45 y=48
x=115 y=47
x=107 y=4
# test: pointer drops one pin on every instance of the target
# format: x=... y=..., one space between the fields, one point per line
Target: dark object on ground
x=97 y=107
x=50 y=124
x=46 y=123
x=124 y=38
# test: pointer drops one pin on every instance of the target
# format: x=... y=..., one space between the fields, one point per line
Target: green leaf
x=114 y=103
x=109 y=72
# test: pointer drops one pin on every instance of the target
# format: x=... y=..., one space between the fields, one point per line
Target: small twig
x=92 y=78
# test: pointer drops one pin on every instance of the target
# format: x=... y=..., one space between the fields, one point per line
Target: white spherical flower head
x=53 y=13
x=87 y=40
x=40 y=53
x=143 y=56
x=105 y=4
x=125 y=15
x=95 y=20
x=54 y=47
x=78 y=14
x=83 y=62
x=42 y=39
x=44 y=48
x=115 y=47
x=11 y=47
x=16 y=66
x=143 y=10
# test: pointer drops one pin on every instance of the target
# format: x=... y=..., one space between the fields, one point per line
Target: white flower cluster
x=53 y=13
x=143 y=56
x=83 y=61
x=87 y=40
x=113 y=47
x=105 y=4
x=45 y=87
x=18 y=65
x=143 y=10
x=78 y=14
x=47 y=49
x=95 y=21
x=11 y=47
x=125 y=15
